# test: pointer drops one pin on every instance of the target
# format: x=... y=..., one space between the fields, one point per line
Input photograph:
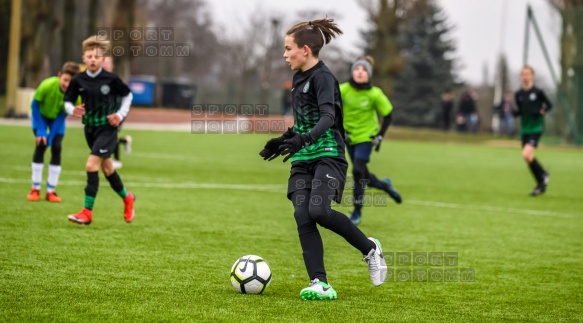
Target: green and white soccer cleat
x=318 y=291
x=377 y=266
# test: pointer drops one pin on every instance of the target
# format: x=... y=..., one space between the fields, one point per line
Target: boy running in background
x=48 y=112
x=532 y=105
x=361 y=102
x=316 y=148
x=99 y=91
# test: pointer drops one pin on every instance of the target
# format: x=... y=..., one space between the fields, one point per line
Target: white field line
x=165 y=156
x=244 y=187
x=180 y=127
x=83 y=174
x=277 y=188
x=488 y=208
x=186 y=126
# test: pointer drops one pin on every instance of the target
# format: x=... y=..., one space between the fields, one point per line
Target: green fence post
x=562 y=97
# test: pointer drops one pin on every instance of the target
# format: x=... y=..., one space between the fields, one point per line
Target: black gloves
x=288 y=144
x=378 y=139
x=271 y=149
x=347 y=140
x=294 y=144
x=376 y=142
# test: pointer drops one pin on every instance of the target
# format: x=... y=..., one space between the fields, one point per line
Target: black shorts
x=102 y=140
x=531 y=139
x=327 y=174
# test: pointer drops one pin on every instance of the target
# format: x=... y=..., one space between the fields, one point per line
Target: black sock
x=359 y=173
x=56 y=149
x=343 y=226
x=115 y=182
x=307 y=214
x=376 y=183
x=358 y=194
x=533 y=171
x=539 y=167
x=537 y=170
x=310 y=239
x=39 y=152
x=91 y=189
x=313 y=253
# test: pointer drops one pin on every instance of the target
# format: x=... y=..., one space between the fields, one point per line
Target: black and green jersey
x=315 y=94
x=99 y=94
x=530 y=103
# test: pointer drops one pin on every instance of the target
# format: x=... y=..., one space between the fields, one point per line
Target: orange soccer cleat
x=83 y=217
x=128 y=207
x=34 y=195
x=53 y=197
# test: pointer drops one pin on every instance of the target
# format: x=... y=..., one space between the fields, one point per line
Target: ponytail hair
x=314 y=34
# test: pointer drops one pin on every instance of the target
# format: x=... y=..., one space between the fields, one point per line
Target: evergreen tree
x=428 y=70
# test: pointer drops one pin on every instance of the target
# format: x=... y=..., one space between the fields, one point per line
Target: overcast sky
x=482 y=29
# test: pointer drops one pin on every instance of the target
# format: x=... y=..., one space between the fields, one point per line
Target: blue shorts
x=49 y=123
x=360 y=151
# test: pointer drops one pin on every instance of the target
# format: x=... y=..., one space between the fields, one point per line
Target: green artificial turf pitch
x=205 y=200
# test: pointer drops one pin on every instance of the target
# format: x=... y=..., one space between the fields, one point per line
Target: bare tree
x=388 y=18
x=5 y=9
x=191 y=25
x=67 y=32
x=252 y=61
x=37 y=36
x=120 y=14
x=92 y=16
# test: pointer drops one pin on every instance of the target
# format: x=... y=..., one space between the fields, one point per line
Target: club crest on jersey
x=532 y=97
x=105 y=89
x=306 y=87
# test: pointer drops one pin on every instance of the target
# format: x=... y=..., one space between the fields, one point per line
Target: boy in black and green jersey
x=532 y=105
x=315 y=145
x=101 y=115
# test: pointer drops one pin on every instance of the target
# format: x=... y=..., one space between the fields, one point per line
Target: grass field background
x=205 y=200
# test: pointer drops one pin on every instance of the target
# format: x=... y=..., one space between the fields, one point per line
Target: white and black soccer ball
x=250 y=275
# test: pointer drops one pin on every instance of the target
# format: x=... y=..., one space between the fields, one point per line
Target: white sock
x=37 y=175
x=54 y=172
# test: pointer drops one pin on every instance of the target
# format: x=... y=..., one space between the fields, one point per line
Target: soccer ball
x=250 y=275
